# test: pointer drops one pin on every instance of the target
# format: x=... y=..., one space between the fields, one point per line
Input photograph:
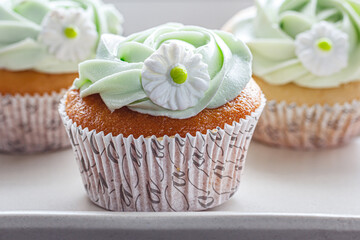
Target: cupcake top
x=53 y=36
x=170 y=70
x=312 y=43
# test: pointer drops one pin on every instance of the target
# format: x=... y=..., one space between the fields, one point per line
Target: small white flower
x=174 y=77
x=69 y=34
x=323 y=50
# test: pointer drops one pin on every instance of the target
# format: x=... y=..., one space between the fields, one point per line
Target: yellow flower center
x=325 y=44
x=70 y=32
x=179 y=74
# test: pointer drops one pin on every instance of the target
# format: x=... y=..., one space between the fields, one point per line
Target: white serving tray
x=283 y=195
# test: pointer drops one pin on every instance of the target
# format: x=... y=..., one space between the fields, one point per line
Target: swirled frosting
x=171 y=70
x=53 y=36
x=312 y=43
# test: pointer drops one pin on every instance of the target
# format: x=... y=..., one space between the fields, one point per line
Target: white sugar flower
x=69 y=34
x=174 y=77
x=323 y=50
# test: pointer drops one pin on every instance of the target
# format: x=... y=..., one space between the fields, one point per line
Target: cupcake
x=41 y=45
x=306 y=61
x=162 y=120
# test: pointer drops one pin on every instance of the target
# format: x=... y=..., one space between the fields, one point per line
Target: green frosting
x=116 y=73
x=271 y=33
x=20 y=25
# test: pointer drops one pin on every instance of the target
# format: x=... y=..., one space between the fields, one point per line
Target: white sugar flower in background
x=69 y=34
x=323 y=50
x=174 y=77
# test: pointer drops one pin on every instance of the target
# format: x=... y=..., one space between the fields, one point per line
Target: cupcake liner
x=30 y=124
x=303 y=127
x=174 y=173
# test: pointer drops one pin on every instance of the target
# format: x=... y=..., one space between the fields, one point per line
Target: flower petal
x=159 y=85
x=151 y=76
x=318 y=61
x=65 y=49
x=155 y=66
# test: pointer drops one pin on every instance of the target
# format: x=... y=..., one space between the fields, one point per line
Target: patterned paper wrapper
x=303 y=127
x=30 y=124
x=162 y=174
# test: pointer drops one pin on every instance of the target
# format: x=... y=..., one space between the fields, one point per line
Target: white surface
x=283 y=195
x=142 y=14
x=274 y=181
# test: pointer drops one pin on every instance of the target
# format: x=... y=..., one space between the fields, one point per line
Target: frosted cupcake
x=41 y=44
x=306 y=60
x=161 y=120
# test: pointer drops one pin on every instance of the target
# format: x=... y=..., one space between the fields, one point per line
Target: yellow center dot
x=70 y=32
x=178 y=74
x=325 y=44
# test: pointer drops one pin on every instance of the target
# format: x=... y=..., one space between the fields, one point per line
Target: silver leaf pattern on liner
x=303 y=127
x=192 y=173
x=30 y=124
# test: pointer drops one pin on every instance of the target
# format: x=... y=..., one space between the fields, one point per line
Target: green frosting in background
x=271 y=32
x=116 y=72
x=20 y=25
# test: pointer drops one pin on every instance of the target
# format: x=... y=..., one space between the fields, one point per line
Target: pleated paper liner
x=161 y=174
x=30 y=124
x=303 y=127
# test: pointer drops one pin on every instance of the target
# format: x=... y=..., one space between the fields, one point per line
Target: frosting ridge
x=312 y=43
x=171 y=70
x=53 y=36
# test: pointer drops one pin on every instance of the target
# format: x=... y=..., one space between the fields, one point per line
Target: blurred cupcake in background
x=41 y=44
x=162 y=120
x=307 y=62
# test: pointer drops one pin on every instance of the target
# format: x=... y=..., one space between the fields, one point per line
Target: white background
x=142 y=14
